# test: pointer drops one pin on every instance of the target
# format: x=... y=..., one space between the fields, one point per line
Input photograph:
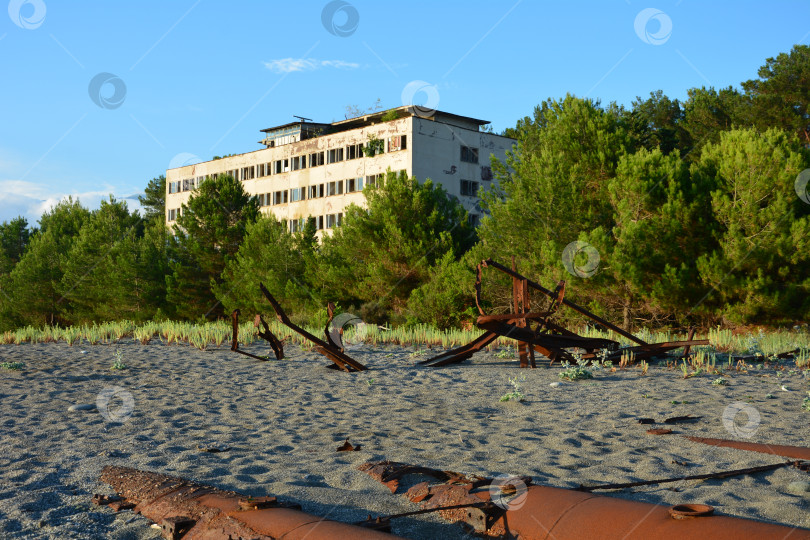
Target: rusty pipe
x=796 y=452
x=550 y=512
x=196 y=512
x=544 y=512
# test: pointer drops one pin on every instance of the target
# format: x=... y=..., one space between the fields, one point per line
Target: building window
x=397 y=142
x=298 y=194
x=334 y=220
x=248 y=173
x=319 y=223
x=486 y=173
x=316 y=191
x=297 y=225
x=468 y=187
x=268 y=169
x=354 y=184
x=354 y=151
x=334 y=188
x=375 y=179
x=280 y=197
x=469 y=154
x=473 y=220
x=172 y=214
x=299 y=162
x=316 y=159
x=335 y=155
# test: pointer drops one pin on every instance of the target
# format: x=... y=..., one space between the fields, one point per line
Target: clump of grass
x=644 y=367
x=575 y=373
x=14 y=366
x=516 y=394
x=418 y=353
x=806 y=402
x=118 y=363
x=506 y=352
x=720 y=381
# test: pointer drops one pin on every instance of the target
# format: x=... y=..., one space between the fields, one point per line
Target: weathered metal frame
x=330 y=350
x=276 y=344
x=548 y=338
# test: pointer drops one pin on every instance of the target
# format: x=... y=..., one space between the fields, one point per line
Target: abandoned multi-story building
x=316 y=170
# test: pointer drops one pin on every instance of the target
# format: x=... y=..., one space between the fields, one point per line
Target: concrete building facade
x=316 y=170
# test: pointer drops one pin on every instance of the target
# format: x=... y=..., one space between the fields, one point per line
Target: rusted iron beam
x=338 y=357
x=459 y=354
x=707 y=476
x=196 y=512
x=796 y=452
x=579 y=309
x=542 y=512
x=275 y=343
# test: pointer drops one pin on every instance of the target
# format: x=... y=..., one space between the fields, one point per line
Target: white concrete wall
x=433 y=149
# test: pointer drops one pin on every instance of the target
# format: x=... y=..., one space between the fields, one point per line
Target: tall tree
x=268 y=254
x=553 y=191
x=659 y=213
x=709 y=112
x=760 y=270
x=384 y=251
x=14 y=238
x=34 y=293
x=781 y=95
x=208 y=232
x=101 y=278
x=656 y=123
x=153 y=199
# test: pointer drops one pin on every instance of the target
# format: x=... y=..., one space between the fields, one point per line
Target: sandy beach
x=283 y=420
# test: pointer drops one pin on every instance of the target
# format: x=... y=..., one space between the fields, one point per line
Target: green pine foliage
x=209 y=231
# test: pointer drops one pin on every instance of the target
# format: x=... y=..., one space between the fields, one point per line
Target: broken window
x=335 y=155
x=316 y=159
x=397 y=142
x=468 y=187
x=354 y=151
x=354 y=184
x=469 y=154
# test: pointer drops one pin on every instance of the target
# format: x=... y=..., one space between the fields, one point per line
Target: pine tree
x=208 y=232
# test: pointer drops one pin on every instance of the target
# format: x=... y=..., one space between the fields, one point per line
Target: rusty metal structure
x=329 y=348
x=514 y=508
x=192 y=511
x=276 y=344
x=795 y=452
x=535 y=331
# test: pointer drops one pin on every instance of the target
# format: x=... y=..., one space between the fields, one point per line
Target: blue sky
x=99 y=97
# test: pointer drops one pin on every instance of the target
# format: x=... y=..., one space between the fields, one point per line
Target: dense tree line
x=691 y=207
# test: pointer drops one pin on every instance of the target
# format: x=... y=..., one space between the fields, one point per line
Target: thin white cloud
x=289 y=65
x=31 y=200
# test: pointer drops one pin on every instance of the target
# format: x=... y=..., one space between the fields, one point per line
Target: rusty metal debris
x=114 y=502
x=796 y=452
x=535 y=331
x=707 y=476
x=672 y=420
x=192 y=511
x=659 y=431
x=542 y=512
x=348 y=447
x=276 y=344
x=331 y=350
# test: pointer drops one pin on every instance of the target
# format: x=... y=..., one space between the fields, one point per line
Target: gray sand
x=284 y=420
